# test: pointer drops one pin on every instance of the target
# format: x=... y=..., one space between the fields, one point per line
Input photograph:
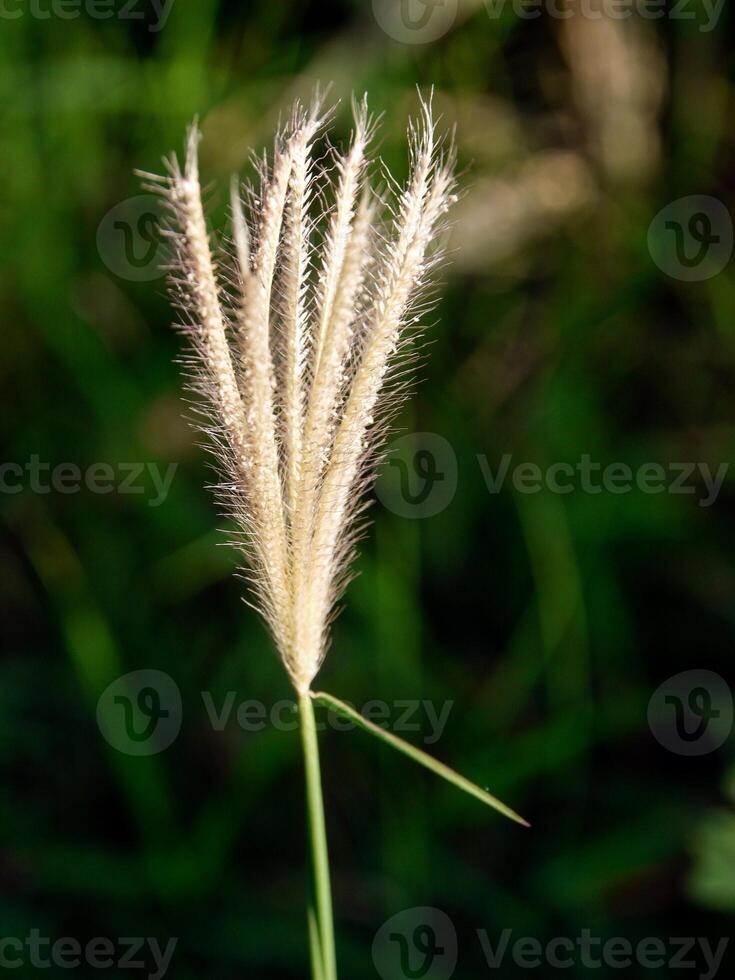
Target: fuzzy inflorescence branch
x=300 y=354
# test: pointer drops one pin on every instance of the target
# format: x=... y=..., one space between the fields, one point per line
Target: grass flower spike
x=300 y=341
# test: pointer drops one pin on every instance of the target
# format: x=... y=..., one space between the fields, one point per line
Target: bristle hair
x=300 y=361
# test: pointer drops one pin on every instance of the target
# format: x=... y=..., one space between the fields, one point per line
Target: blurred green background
x=547 y=619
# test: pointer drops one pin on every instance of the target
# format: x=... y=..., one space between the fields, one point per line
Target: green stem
x=318 y=837
x=315 y=946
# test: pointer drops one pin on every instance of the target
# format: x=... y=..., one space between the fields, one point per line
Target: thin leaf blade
x=419 y=756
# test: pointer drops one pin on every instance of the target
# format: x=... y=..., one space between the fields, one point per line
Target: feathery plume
x=302 y=367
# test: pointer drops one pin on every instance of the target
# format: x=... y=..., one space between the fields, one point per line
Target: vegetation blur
x=546 y=621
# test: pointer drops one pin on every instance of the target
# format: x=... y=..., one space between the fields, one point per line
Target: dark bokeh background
x=548 y=620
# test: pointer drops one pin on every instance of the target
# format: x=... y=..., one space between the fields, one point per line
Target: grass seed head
x=300 y=357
